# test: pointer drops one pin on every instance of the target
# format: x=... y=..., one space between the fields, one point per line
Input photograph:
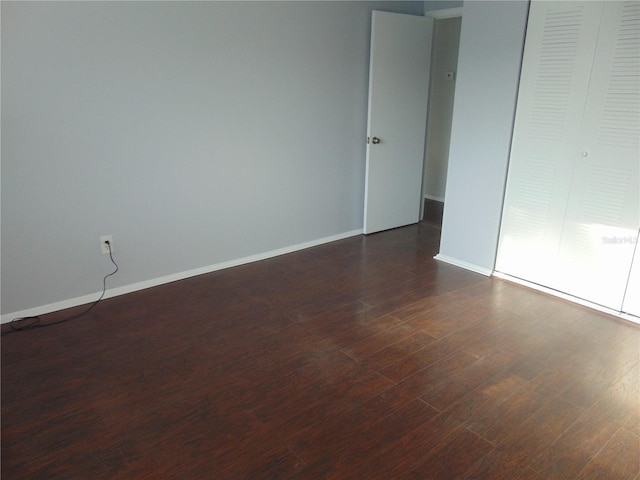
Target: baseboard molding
x=462 y=264
x=565 y=296
x=434 y=198
x=154 y=282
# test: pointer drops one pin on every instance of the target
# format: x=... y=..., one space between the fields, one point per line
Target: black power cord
x=29 y=323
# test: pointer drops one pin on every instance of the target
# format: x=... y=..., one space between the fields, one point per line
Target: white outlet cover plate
x=103 y=246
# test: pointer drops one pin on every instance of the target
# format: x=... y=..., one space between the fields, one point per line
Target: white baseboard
x=434 y=198
x=565 y=296
x=154 y=282
x=468 y=266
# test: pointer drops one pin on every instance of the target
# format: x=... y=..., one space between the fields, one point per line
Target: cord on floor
x=29 y=323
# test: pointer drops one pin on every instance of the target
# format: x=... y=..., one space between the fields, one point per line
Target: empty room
x=218 y=259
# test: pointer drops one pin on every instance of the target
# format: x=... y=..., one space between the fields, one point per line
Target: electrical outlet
x=103 y=244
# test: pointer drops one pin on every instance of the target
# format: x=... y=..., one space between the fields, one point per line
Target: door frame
x=436 y=15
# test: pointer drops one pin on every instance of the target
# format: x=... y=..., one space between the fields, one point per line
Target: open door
x=398 y=96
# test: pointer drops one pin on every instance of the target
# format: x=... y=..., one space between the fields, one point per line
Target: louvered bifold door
x=603 y=214
x=558 y=56
x=631 y=304
x=572 y=209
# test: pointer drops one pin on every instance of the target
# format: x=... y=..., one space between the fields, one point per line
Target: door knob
x=375 y=140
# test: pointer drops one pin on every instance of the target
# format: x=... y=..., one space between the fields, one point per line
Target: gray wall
x=194 y=133
x=446 y=38
x=491 y=43
x=430 y=5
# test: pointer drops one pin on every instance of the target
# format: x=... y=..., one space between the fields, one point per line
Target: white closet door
x=631 y=302
x=603 y=214
x=558 y=56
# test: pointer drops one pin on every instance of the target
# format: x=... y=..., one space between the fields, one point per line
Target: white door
x=631 y=302
x=558 y=56
x=572 y=207
x=398 y=96
x=603 y=209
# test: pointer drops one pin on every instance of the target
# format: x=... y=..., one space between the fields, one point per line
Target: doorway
x=444 y=62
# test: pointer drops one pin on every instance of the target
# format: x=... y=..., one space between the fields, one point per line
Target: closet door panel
x=631 y=303
x=603 y=214
x=561 y=39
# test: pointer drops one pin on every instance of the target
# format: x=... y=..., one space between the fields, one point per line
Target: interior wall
x=446 y=39
x=490 y=55
x=195 y=133
x=430 y=5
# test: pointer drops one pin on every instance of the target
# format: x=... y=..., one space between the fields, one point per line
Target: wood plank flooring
x=360 y=359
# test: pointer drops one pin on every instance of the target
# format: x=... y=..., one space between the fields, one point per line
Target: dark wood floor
x=360 y=359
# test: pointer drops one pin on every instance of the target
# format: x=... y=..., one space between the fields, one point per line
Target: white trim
x=434 y=198
x=467 y=266
x=566 y=296
x=444 y=13
x=154 y=282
